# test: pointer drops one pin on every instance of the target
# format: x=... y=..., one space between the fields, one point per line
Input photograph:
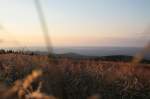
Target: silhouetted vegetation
x=120 y=58
x=2 y=51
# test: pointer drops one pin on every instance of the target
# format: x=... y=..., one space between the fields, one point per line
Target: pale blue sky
x=77 y=22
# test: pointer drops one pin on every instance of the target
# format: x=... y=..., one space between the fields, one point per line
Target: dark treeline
x=2 y=51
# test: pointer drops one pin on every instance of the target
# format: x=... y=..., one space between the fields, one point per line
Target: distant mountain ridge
x=96 y=53
x=92 y=51
x=76 y=56
x=114 y=58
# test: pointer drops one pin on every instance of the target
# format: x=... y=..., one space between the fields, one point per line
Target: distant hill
x=96 y=51
x=71 y=55
x=88 y=51
x=119 y=58
x=114 y=58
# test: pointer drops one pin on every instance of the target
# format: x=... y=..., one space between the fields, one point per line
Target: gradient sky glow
x=76 y=22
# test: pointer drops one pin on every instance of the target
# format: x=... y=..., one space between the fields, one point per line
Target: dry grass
x=22 y=89
x=75 y=79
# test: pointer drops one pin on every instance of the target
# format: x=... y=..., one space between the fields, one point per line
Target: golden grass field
x=40 y=77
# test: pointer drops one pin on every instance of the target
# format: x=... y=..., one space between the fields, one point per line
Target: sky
x=76 y=22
